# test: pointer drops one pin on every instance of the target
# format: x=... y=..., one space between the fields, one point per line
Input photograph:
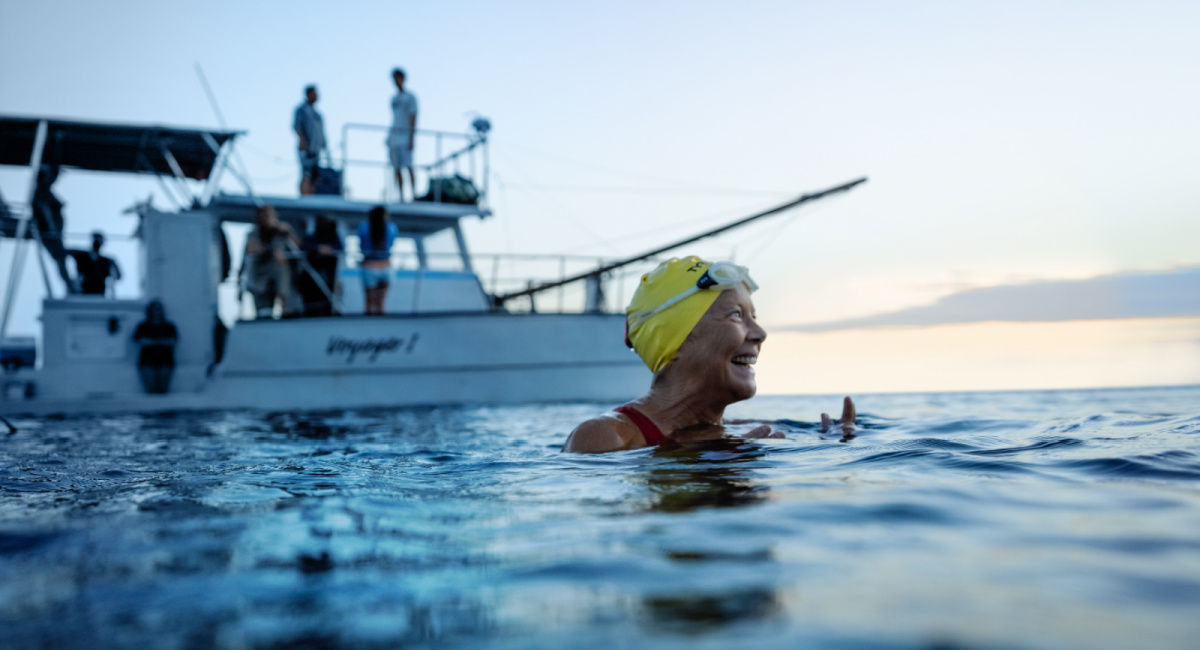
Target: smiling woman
x=694 y=325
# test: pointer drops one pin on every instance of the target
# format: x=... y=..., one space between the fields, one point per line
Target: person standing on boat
x=94 y=269
x=157 y=337
x=268 y=248
x=693 y=323
x=321 y=249
x=404 y=128
x=48 y=215
x=310 y=131
x=376 y=235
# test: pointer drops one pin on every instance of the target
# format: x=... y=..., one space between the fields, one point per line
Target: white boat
x=444 y=340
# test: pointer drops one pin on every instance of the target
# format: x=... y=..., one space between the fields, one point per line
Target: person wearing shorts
x=404 y=128
x=376 y=234
x=310 y=133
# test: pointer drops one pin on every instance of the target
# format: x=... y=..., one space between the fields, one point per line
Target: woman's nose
x=757 y=333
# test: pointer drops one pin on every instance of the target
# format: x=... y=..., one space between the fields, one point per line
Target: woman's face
x=724 y=346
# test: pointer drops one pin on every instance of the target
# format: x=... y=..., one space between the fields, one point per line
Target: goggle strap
x=639 y=317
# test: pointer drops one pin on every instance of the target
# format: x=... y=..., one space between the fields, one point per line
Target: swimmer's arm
x=597 y=436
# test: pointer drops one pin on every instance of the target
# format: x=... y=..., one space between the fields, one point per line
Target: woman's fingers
x=761 y=431
x=849 y=415
x=826 y=422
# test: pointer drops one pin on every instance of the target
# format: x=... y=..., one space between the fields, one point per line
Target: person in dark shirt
x=321 y=249
x=157 y=338
x=94 y=269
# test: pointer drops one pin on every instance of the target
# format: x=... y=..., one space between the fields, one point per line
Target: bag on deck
x=327 y=180
x=451 y=189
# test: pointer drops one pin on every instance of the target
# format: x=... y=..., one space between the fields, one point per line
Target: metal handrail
x=474 y=141
x=492 y=284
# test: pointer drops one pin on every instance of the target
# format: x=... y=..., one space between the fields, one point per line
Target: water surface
x=1058 y=519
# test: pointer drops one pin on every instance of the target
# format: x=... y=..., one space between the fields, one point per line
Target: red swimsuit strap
x=653 y=435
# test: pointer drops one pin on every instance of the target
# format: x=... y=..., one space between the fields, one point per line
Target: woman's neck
x=675 y=407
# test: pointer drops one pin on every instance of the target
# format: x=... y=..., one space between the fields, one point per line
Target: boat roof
x=418 y=218
x=104 y=147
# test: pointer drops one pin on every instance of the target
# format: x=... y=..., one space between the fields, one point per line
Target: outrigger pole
x=499 y=300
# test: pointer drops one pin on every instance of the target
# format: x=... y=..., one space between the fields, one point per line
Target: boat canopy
x=412 y=219
x=128 y=148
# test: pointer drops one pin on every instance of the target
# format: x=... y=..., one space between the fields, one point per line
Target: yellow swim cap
x=671 y=299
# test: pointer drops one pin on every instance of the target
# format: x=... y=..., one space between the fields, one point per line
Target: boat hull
x=389 y=361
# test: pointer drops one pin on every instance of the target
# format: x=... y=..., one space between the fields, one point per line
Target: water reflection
x=310 y=426
x=712 y=473
x=697 y=613
x=709 y=474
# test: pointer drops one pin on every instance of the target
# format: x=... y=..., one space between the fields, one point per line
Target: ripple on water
x=1039 y=519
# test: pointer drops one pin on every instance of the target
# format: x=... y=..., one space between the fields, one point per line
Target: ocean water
x=1054 y=519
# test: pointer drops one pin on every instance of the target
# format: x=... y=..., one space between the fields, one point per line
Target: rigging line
x=262 y=153
x=805 y=198
x=775 y=235
x=212 y=99
x=244 y=176
x=619 y=171
x=772 y=234
x=644 y=190
x=504 y=210
x=554 y=205
x=691 y=222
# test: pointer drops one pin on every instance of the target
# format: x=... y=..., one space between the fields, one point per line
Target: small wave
x=1128 y=468
x=901 y=455
x=1042 y=445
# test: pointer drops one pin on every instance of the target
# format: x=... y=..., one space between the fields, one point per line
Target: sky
x=1033 y=150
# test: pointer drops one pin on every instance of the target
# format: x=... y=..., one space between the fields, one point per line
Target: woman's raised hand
x=847 y=421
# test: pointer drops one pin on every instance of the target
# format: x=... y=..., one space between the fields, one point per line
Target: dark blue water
x=987 y=520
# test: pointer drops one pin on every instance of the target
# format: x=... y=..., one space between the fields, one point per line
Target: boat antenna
x=595 y=273
x=243 y=176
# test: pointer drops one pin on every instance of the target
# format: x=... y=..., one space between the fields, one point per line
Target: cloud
x=1124 y=295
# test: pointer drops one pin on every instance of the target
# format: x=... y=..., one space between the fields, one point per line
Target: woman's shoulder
x=608 y=432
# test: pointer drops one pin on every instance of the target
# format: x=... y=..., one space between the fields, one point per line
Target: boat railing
x=497 y=274
x=454 y=154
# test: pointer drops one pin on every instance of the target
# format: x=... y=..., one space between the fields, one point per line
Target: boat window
x=442 y=249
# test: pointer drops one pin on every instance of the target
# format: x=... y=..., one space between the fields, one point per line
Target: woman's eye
x=737 y=313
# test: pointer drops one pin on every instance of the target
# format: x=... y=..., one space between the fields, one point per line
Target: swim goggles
x=719 y=277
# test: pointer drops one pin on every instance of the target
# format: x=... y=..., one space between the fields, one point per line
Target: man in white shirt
x=404 y=127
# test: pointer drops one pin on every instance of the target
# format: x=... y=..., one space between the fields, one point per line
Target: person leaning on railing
x=266 y=260
x=692 y=322
x=318 y=282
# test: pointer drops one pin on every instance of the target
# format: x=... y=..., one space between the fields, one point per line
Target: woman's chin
x=743 y=388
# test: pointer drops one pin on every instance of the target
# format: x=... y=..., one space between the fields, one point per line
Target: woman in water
x=375 y=237
x=694 y=325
